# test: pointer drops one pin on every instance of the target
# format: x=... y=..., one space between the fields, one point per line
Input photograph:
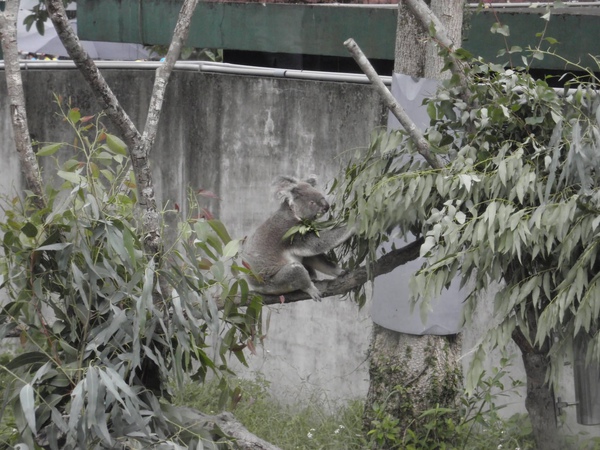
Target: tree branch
x=352 y=280
x=188 y=418
x=140 y=152
x=163 y=73
x=244 y=440
x=16 y=97
x=428 y=18
x=415 y=133
x=103 y=93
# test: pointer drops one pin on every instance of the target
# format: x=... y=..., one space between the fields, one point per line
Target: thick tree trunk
x=540 y=402
x=450 y=14
x=410 y=374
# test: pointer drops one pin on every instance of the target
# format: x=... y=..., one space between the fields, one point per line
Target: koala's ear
x=283 y=188
x=312 y=180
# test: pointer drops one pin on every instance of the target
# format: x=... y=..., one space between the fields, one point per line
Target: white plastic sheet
x=391 y=307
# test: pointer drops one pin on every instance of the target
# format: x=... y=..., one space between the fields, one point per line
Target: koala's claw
x=314 y=294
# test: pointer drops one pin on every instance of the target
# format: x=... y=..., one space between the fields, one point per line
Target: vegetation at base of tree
x=99 y=354
x=316 y=424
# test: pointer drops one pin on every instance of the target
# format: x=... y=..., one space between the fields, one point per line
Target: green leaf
x=538 y=55
x=27 y=359
x=29 y=230
x=500 y=29
x=71 y=177
x=231 y=249
x=54 y=247
x=74 y=115
x=220 y=229
x=77 y=400
x=48 y=150
x=92 y=390
x=26 y=397
x=116 y=145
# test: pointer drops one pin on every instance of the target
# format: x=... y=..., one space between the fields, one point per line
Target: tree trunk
x=410 y=374
x=139 y=145
x=16 y=97
x=540 y=402
x=450 y=14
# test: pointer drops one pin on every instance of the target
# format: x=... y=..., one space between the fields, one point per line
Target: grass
x=317 y=426
x=290 y=427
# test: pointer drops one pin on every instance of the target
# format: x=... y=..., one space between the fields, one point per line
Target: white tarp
x=391 y=307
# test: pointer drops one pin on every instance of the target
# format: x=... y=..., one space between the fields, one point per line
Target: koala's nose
x=324 y=205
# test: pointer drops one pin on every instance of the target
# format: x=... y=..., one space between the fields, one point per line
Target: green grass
x=317 y=426
x=290 y=427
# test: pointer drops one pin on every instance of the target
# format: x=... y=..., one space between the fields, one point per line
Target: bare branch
x=16 y=97
x=224 y=422
x=104 y=94
x=164 y=72
x=415 y=133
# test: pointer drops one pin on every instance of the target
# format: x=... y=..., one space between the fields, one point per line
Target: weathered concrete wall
x=232 y=135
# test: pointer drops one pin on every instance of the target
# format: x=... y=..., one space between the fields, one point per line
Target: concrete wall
x=233 y=135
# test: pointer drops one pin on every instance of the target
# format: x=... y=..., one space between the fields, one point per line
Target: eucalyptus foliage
x=101 y=344
x=515 y=206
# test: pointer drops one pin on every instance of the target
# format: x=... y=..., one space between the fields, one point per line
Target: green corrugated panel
x=285 y=28
x=322 y=29
x=578 y=37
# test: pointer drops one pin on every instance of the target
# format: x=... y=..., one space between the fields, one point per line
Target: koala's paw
x=343 y=273
x=314 y=294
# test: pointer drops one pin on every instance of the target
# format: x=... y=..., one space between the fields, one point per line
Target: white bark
x=16 y=97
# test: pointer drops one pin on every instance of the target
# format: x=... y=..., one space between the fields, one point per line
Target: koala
x=283 y=265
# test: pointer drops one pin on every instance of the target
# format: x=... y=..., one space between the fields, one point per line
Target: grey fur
x=282 y=266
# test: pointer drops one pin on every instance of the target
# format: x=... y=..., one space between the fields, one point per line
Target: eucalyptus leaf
x=27 y=399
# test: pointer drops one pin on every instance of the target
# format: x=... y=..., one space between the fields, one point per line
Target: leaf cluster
x=514 y=208
x=101 y=343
